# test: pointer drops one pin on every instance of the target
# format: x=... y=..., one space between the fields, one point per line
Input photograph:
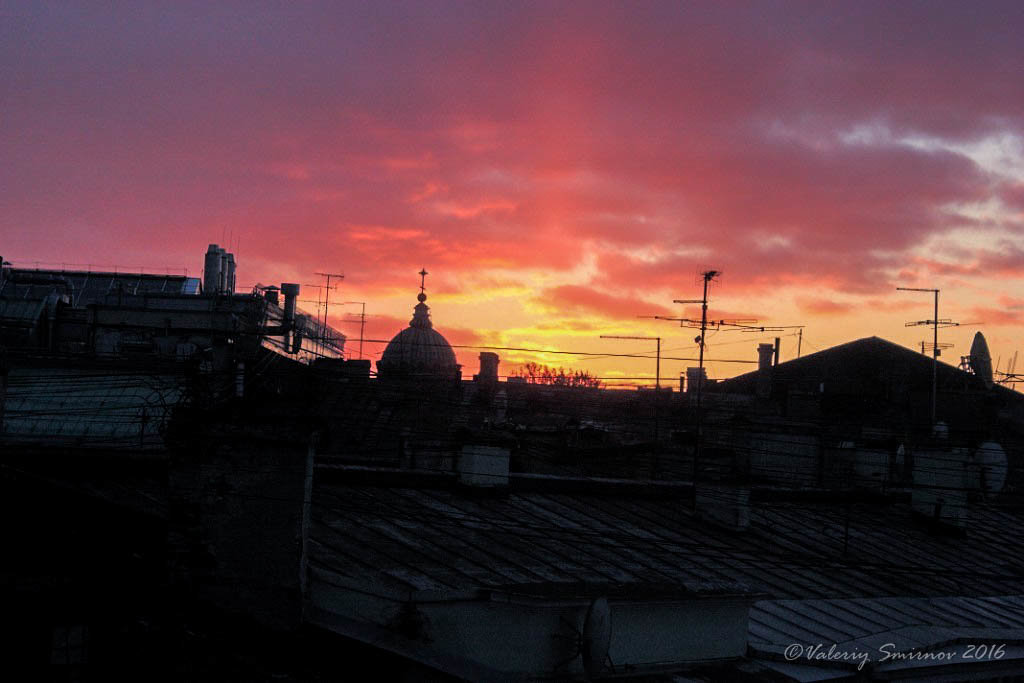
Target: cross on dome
x=423 y=285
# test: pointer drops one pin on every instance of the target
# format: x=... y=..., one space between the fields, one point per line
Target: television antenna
x=326 y=303
x=935 y=322
x=926 y=345
x=1008 y=376
x=362 y=323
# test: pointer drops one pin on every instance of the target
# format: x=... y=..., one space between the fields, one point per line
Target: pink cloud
x=567 y=300
x=819 y=306
x=377 y=140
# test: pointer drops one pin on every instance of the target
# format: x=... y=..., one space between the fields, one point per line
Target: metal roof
x=420 y=538
x=86 y=287
x=21 y=312
x=88 y=407
x=823 y=639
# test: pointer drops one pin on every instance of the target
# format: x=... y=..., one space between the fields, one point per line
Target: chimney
x=765 y=352
x=288 y=324
x=211 y=270
x=271 y=294
x=488 y=368
x=693 y=377
x=230 y=284
x=943 y=485
x=291 y=294
x=223 y=279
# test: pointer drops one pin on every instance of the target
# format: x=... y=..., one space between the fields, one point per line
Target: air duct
x=291 y=294
x=223 y=274
x=211 y=270
x=229 y=285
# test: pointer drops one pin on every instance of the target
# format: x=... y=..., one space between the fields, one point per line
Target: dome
x=418 y=349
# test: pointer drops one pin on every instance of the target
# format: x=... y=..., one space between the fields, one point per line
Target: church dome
x=419 y=349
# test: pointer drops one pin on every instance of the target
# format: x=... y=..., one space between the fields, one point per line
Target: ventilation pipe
x=229 y=286
x=223 y=279
x=765 y=352
x=289 y=328
x=291 y=294
x=211 y=270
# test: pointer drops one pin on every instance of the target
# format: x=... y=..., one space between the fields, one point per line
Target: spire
x=421 y=313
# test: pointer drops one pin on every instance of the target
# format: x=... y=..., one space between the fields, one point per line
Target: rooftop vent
x=483 y=466
x=723 y=503
x=218 y=271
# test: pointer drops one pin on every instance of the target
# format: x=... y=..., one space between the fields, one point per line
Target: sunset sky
x=559 y=168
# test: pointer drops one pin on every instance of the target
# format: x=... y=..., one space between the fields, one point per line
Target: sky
x=562 y=170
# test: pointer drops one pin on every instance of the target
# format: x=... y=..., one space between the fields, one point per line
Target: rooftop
x=433 y=536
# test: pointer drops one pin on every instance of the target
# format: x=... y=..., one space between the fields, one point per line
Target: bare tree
x=536 y=373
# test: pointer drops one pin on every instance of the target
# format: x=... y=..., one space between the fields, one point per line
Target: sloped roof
x=86 y=287
x=436 y=538
x=784 y=633
x=89 y=407
x=862 y=359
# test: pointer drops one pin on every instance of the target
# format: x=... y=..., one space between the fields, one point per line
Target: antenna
x=935 y=323
x=326 y=304
x=362 y=323
x=707 y=276
x=925 y=345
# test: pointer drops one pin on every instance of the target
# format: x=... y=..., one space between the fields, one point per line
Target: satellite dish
x=981 y=360
x=992 y=466
x=597 y=637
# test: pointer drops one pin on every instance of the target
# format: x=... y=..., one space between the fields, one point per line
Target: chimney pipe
x=291 y=293
x=693 y=377
x=764 y=369
x=230 y=284
x=777 y=341
x=223 y=279
x=488 y=367
x=211 y=270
